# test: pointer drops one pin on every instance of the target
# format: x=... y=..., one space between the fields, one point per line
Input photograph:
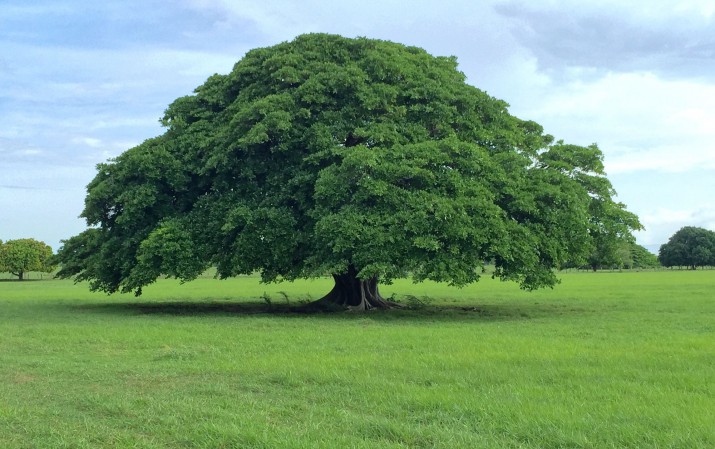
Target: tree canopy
x=365 y=159
x=689 y=247
x=20 y=256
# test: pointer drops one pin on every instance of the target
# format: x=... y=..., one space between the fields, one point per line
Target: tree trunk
x=353 y=293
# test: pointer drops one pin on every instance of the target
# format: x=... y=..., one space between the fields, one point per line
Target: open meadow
x=604 y=360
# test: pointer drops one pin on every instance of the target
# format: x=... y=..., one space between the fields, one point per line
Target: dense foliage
x=618 y=254
x=21 y=256
x=360 y=158
x=642 y=258
x=690 y=247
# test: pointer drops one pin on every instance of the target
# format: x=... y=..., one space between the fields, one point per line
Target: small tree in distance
x=362 y=159
x=20 y=256
x=690 y=247
x=642 y=258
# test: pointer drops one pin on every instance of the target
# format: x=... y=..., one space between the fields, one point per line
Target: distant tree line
x=18 y=257
x=624 y=254
x=690 y=247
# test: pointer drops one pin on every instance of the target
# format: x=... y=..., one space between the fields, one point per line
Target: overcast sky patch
x=659 y=37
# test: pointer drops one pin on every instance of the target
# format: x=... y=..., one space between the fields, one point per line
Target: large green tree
x=360 y=158
x=20 y=256
x=690 y=247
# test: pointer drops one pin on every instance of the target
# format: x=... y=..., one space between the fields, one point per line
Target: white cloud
x=664 y=222
x=640 y=121
x=88 y=141
x=704 y=8
x=663 y=159
x=659 y=9
x=12 y=149
x=69 y=102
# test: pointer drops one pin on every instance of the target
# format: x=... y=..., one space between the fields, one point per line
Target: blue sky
x=82 y=81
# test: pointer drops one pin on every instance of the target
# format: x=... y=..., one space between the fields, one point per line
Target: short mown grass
x=605 y=360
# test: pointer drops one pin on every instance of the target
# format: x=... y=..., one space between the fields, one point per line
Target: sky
x=83 y=81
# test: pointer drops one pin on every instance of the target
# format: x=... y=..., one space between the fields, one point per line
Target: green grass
x=605 y=360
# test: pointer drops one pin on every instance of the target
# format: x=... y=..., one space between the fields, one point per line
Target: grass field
x=605 y=360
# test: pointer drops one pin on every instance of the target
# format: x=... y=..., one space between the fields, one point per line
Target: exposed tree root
x=352 y=293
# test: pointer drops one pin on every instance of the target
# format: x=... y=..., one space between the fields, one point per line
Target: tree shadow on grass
x=18 y=281
x=438 y=312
